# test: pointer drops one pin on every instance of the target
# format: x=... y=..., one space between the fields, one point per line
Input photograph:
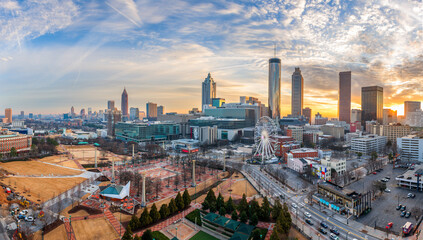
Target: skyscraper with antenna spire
x=274 y=98
x=124 y=105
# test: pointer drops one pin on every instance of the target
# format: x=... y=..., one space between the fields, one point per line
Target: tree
x=157 y=187
x=187 y=198
x=128 y=234
x=206 y=205
x=243 y=217
x=243 y=205
x=154 y=214
x=147 y=235
x=234 y=216
x=179 y=202
x=222 y=211
x=265 y=209
x=172 y=206
x=257 y=235
x=176 y=181
x=220 y=202
x=254 y=219
x=135 y=222
x=276 y=210
x=164 y=211
x=230 y=205
x=253 y=208
x=359 y=154
x=145 y=218
x=13 y=152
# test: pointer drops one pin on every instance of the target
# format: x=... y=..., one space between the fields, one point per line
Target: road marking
x=337 y=225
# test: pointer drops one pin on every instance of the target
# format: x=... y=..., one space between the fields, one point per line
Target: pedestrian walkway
x=69 y=229
x=115 y=223
x=167 y=222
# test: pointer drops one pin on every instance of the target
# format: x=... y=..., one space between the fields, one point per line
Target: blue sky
x=58 y=54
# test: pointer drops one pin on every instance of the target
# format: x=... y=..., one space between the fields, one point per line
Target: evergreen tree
x=187 y=198
x=172 y=206
x=243 y=217
x=254 y=219
x=179 y=202
x=154 y=214
x=211 y=197
x=234 y=216
x=128 y=234
x=243 y=205
x=147 y=235
x=222 y=211
x=253 y=208
x=145 y=218
x=164 y=211
x=206 y=205
x=276 y=210
x=137 y=237
x=220 y=202
x=213 y=208
x=257 y=235
x=265 y=210
x=230 y=207
x=275 y=235
x=134 y=223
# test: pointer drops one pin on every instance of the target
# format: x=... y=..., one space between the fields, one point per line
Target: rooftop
x=303 y=150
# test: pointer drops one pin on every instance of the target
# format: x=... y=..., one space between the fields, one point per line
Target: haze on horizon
x=55 y=55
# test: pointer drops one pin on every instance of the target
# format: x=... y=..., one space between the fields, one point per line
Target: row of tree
x=179 y=203
x=283 y=222
x=244 y=211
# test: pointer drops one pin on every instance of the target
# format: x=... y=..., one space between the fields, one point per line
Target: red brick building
x=8 y=140
x=284 y=144
x=303 y=153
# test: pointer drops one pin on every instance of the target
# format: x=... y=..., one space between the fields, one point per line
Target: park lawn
x=203 y=236
x=159 y=236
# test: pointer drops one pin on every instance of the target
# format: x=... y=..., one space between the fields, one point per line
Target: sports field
x=203 y=236
x=28 y=168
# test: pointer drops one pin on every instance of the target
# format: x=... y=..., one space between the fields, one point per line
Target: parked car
x=411 y=195
x=323 y=231
x=23 y=212
x=374 y=173
x=398 y=207
x=389 y=225
x=388 y=177
x=333 y=236
x=403 y=213
x=323 y=224
x=294 y=205
x=29 y=219
x=334 y=231
x=388 y=190
x=307 y=214
x=407 y=215
x=403 y=207
x=309 y=222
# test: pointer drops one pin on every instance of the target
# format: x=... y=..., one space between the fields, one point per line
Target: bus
x=406 y=229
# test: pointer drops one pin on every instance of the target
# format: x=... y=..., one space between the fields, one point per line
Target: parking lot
x=384 y=207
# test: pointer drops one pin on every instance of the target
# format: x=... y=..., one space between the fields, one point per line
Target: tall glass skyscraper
x=371 y=104
x=274 y=88
x=209 y=91
x=344 y=97
x=297 y=95
x=124 y=105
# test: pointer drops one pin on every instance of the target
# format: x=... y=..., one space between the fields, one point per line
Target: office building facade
x=111 y=105
x=124 y=104
x=344 y=97
x=372 y=104
x=410 y=147
x=151 y=111
x=411 y=106
x=274 y=93
x=307 y=114
x=134 y=113
x=140 y=132
x=208 y=91
x=368 y=144
x=297 y=94
x=389 y=116
x=8 y=115
x=355 y=115
x=160 y=110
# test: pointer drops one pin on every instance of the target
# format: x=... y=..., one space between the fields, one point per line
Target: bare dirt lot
x=36 y=168
x=60 y=160
x=98 y=228
x=41 y=189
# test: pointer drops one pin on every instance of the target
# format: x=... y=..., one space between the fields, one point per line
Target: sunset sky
x=58 y=54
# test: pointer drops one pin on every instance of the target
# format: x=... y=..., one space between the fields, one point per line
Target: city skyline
x=105 y=46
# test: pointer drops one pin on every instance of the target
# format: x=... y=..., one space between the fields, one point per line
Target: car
x=334 y=231
x=307 y=214
x=411 y=195
x=407 y=214
x=389 y=225
x=374 y=173
x=24 y=212
x=388 y=190
x=294 y=205
x=403 y=207
x=309 y=222
x=323 y=224
x=398 y=207
x=389 y=178
x=401 y=176
x=29 y=219
x=333 y=236
x=402 y=213
x=323 y=231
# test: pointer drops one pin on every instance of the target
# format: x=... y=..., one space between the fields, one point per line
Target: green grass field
x=203 y=236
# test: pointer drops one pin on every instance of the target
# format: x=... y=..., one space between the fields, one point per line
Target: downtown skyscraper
x=208 y=91
x=344 y=97
x=274 y=98
x=297 y=94
x=372 y=104
x=124 y=105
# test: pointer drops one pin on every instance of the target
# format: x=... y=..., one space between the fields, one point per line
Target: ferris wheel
x=264 y=138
